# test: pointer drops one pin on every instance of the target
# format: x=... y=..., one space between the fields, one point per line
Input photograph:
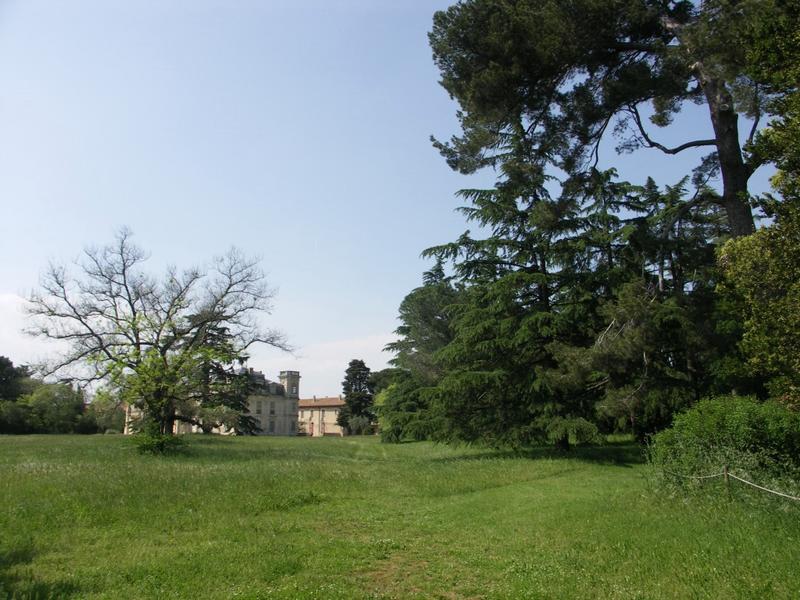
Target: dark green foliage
x=759 y=441
x=426 y=314
x=222 y=387
x=761 y=278
x=357 y=388
x=593 y=305
x=380 y=380
x=11 y=379
x=773 y=52
x=562 y=432
x=643 y=367
x=55 y=408
x=49 y=408
x=558 y=77
x=403 y=410
x=14 y=418
x=151 y=440
x=491 y=392
x=513 y=283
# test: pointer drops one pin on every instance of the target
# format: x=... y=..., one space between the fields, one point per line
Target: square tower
x=291 y=383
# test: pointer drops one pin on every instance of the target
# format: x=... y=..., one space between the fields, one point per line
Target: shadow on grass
x=224 y=449
x=21 y=584
x=620 y=454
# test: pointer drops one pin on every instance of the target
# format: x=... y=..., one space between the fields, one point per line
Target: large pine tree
x=358 y=394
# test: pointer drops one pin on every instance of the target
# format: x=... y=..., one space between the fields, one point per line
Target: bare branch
x=113 y=316
x=649 y=143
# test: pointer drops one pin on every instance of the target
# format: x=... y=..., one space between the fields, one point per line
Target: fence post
x=727 y=481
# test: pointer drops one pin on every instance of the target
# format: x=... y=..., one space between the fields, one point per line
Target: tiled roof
x=321 y=402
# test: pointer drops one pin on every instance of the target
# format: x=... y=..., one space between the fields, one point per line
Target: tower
x=291 y=383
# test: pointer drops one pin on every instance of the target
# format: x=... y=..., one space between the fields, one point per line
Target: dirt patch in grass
x=394 y=573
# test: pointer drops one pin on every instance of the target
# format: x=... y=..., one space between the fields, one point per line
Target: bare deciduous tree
x=148 y=335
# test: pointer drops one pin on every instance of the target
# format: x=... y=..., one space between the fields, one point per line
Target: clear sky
x=294 y=130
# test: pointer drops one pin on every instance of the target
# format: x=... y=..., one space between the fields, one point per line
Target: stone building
x=275 y=405
x=318 y=416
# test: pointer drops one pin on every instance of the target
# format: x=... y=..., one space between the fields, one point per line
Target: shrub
x=150 y=440
x=157 y=443
x=759 y=441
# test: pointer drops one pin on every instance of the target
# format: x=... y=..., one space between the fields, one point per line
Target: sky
x=297 y=131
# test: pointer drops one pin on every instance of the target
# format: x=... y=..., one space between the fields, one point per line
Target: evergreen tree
x=565 y=75
x=12 y=380
x=521 y=294
x=593 y=307
x=426 y=327
x=358 y=394
x=223 y=389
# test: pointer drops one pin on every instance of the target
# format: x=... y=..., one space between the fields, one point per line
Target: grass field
x=87 y=517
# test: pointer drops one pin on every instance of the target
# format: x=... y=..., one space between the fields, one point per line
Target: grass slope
x=263 y=517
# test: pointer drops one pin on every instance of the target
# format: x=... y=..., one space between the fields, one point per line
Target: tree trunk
x=168 y=423
x=562 y=443
x=735 y=173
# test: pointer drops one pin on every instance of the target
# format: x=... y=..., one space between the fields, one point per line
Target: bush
x=759 y=441
x=149 y=439
x=157 y=443
x=14 y=417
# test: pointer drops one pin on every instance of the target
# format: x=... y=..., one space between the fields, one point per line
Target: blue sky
x=296 y=131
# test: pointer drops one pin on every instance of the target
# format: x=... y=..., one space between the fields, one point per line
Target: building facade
x=273 y=405
x=318 y=416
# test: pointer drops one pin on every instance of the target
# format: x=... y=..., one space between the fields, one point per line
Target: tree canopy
x=12 y=379
x=585 y=303
x=555 y=78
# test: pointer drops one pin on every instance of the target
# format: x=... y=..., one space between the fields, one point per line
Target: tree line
x=30 y=405
x=587 y=303
x=583 y=303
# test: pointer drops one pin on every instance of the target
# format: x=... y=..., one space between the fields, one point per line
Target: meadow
x=88 y=517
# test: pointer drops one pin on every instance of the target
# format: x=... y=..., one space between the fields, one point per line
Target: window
x=258 y=407
x=291 y=426
x=272 y=407
x=322 y=414
x=294 y=389
x=272 y=426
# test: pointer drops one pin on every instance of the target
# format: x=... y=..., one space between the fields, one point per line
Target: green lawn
x=88 y=517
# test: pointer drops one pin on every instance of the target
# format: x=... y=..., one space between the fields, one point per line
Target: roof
x=261 y=386
x=329 y=401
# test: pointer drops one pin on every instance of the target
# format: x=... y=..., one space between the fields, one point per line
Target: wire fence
x=728 y=476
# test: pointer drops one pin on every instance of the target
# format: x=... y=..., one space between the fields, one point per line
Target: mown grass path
x=87 y=517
